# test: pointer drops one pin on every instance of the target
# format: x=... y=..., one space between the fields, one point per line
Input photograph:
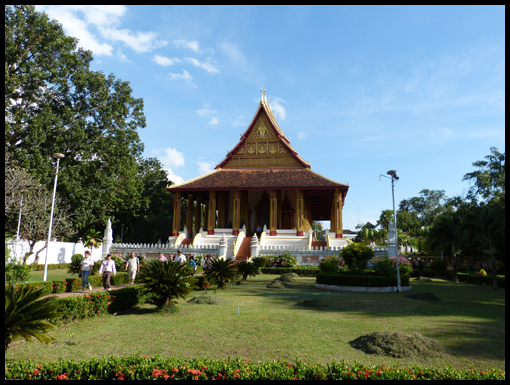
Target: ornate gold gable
x=262 y=148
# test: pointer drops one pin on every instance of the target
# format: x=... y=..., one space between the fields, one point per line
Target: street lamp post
x=57 y=156
x=393 y=176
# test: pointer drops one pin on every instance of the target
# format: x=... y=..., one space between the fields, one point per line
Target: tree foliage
x=489 y=179
x=55 y=103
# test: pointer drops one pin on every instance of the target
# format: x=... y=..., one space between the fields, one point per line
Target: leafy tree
x=27 y=315
x=489 y=179
x=385 y=219
x=55 y=103
x=407 y=221
x=222 y=271
x=447 y=231
x=318 y=230
x=426 y=207
x=165 y=282
x=35 y=220
x=17 y=183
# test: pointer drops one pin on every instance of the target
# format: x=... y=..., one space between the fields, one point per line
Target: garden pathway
x=95 y=289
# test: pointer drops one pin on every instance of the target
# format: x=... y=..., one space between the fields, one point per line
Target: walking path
x=96 y=289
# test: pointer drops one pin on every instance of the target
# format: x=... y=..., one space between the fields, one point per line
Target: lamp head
x=58 y=155
x=393 y=173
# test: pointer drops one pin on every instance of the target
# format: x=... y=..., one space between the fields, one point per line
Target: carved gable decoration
x=262 y=148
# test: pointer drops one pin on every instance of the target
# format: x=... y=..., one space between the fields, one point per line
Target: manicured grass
x=469 y=323
x=53 y=275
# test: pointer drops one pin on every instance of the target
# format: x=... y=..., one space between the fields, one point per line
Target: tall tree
x=55 y=103
x=447 y=231
x=489 y=179
x=385 y=218
x=426 y=207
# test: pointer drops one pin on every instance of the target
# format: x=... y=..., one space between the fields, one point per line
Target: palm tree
x=247 y=269
x=385 y=219
x=165 y=281
x=222 y=271
x=92 y=239
x=26 y=315
x=447 y=231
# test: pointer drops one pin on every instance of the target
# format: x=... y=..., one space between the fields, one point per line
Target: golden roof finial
x=270 y=104
x=261 y=99
x=265 y=100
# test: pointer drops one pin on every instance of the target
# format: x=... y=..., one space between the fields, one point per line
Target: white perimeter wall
x=59 y=252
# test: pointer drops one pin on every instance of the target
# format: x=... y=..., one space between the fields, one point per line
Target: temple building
x=261 y=184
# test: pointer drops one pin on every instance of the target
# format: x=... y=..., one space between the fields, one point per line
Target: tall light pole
x=57 y=156
x=393 y=176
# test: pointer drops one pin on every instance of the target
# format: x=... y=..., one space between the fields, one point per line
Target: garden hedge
x=477 y=279
x=301 y=270
x=159 y=368
x=73 y=284
x=339 y=279
x=52 y=266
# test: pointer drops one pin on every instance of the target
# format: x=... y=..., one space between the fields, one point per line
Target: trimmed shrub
x=477 y=279
x=332 y=264
x=359 y=280
x=16 y=271
x=356 y=256
x=438 y=266
x=247 y=269
x=301 y=270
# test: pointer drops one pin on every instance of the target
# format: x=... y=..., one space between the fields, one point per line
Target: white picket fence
x=147 y=249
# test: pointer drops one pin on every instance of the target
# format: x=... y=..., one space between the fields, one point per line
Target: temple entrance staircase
x=244 y=250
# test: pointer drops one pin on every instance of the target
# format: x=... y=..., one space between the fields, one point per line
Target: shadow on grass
x=136 y=311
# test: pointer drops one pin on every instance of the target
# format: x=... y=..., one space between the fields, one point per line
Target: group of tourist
x=108 y=268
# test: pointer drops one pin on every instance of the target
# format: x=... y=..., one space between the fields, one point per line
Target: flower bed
x=339 y=279
x=159 y=368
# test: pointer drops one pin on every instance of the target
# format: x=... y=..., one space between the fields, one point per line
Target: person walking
x=162 y=257
x=107 y=268
x=134 y=266
x=86 y=269
x=180 y=257
x=420 y=267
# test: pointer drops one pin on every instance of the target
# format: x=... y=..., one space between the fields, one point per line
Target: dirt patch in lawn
x=207 y=299
x=423 y=296
x=312 y=302
x=398 y=345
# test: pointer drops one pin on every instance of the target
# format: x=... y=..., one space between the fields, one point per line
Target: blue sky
x=359 y=90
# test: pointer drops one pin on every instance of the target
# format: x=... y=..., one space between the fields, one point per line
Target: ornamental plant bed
x=339 y=279
x=301 y=270
x=477 y=279
x=170 y=368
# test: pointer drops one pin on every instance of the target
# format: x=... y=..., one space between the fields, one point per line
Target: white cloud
x=184 y=76
x=234 y=53
x=301 y=135
x=205 y=167
x=79 y=20
x=164 y=61
x=172 y=157
x=193 y=45
x=278 y=108
x=174 y=178
x=205 y=111
x=205 y=65
x=214 y=121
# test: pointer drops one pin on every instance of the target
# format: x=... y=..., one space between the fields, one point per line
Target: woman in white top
x=86 y=268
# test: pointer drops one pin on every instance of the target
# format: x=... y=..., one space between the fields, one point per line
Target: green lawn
x=53 y=275
x=469 y=323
